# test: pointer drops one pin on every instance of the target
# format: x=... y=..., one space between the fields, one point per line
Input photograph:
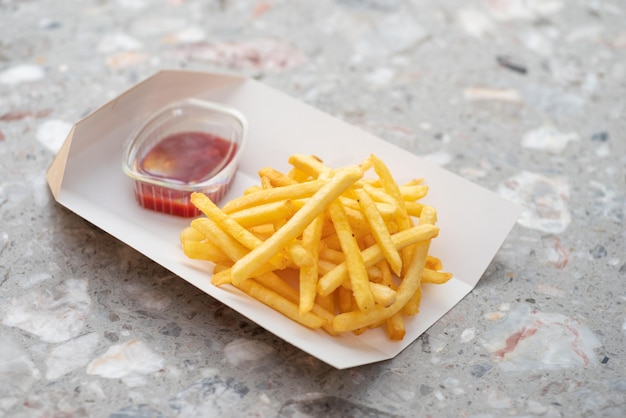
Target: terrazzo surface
x=523 y=97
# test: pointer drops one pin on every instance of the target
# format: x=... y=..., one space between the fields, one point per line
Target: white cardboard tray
x=86 y=177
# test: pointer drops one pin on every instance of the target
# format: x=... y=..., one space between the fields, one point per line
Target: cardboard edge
x=172 y=75
x=162 y=73
x=56 y=169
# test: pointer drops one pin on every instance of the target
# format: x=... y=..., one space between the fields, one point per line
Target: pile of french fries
x=330 y=248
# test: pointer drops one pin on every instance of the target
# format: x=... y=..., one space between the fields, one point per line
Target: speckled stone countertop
x=524 y=97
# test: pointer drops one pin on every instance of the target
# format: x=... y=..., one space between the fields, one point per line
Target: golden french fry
x=333 y=188
x=379 y=230
x=433 y=263
x=266 y=183
x=383 y=295
x=275 y=177
x=435 y=277
x=291 y=192
x=262 y=232
x=413 y=192
x=355 y=216
x=413 y=209
x=325 y=266
x=391 y=187
x=252 y=189
x=332 y=255
x=298 y=175
x=357 y=271
x=300 y=256
x=332 y=240
x=204 y=250
x=309 y=164
x=345 y=300
x=230 y=246
x=386 y=210
x=395 y=327
x=191 y=234
x=222 y=266
x=275 y=283
x=387 y=277
x=280 y=304
x=412 y=307
x=309 y=274
x=374 y=274
x=327 y=303
x=221 y=277
x=380 y=196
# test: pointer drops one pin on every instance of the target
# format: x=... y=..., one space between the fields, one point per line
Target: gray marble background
x=524 y=97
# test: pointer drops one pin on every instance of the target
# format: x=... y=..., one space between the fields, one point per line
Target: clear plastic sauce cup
x=188 y=146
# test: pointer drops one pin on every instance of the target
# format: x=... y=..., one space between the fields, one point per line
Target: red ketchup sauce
x=186 y=157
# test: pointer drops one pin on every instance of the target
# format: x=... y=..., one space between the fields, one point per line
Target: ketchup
x=186 y=157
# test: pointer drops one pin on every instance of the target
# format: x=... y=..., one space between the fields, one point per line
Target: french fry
x=383 y=295
x=219 y=267
x=325 y=266
x=298 y=175
x=293 y=191
x=332 y=255
x=266 y=183
x=311 y=238
x=387 y=211
x=191 y=234
x=275 y=177
x=275 y=283
x=204 y=250
x=413 y=209
x=252 y=189
x=413 y=192
x=311 y=165
x=299 y=255
x=391 y=187
x=412 y=307
x=328 y=304
x=435 y=277
x=374 y=274
x=395 y=327
x=433 y=263
x=379 y=230
x=386 y=276
x=279 y=303
x=262 y=232
x=345 y=300
x=357 y=271
x=221 y=276
x=379 y=195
